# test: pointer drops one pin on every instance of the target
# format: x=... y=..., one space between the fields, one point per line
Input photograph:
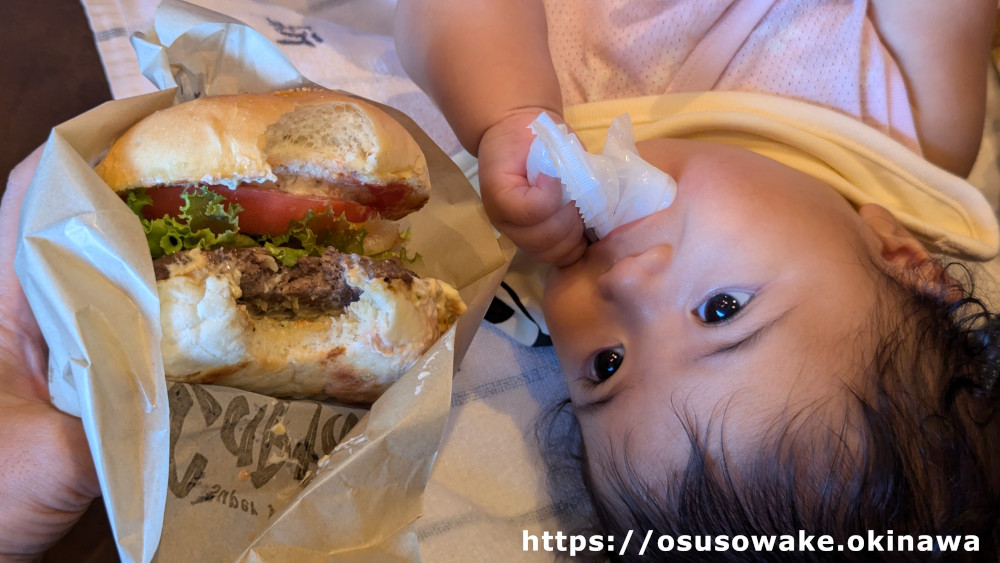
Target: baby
x=777 y=350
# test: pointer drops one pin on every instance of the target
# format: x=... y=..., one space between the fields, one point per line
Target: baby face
x=747 y=298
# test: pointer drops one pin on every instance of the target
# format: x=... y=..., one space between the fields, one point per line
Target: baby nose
x=637 y=280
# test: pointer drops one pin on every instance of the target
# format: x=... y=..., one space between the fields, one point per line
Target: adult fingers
x=10 y=206
x=22 y=348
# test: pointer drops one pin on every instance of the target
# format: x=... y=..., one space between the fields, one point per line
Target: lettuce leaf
x=340 y=233
x=207 y=220
x=204 y=222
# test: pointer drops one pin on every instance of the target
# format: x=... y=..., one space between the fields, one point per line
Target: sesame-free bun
x=278 y=137
x=353 y=356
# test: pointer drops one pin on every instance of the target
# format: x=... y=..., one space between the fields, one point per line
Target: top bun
x=229 y=140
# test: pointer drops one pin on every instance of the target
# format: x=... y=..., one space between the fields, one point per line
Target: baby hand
x=534 y=217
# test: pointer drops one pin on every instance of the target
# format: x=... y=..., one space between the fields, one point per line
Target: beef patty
x=314 y=286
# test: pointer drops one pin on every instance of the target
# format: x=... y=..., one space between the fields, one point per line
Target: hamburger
x=271 y=223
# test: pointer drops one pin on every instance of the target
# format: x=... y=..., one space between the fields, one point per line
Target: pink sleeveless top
x=819 y=51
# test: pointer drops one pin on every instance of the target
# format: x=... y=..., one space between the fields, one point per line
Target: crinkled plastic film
x=610 y=189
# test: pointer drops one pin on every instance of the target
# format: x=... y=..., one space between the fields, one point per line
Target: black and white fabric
x=517 y=307
x=509 y=314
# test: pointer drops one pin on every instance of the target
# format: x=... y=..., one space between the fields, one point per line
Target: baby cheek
x=566 y=303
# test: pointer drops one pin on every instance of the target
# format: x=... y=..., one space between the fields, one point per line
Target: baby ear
x=904 y=255
x=899 y=247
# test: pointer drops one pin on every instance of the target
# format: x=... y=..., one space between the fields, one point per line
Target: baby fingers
x=513 y=201
x=556 y=240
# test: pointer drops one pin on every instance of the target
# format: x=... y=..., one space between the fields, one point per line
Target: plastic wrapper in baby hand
x=610 y=189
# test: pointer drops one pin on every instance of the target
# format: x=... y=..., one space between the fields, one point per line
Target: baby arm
x=943 y=51
x=486 y=63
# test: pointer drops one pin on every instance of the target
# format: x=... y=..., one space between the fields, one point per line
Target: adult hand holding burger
x=47 y=477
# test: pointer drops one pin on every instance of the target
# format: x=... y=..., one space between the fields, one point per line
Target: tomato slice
x=265 y=211
x=393 y=201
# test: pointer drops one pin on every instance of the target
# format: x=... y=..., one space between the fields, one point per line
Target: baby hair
x=918 y=453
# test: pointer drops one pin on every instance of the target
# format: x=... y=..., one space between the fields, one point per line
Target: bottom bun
x=353 y=354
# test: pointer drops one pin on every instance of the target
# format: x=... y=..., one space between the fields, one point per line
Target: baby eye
x=607 y=362
x=722 y=307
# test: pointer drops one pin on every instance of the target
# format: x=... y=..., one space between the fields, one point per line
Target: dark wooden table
x=51 y=72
